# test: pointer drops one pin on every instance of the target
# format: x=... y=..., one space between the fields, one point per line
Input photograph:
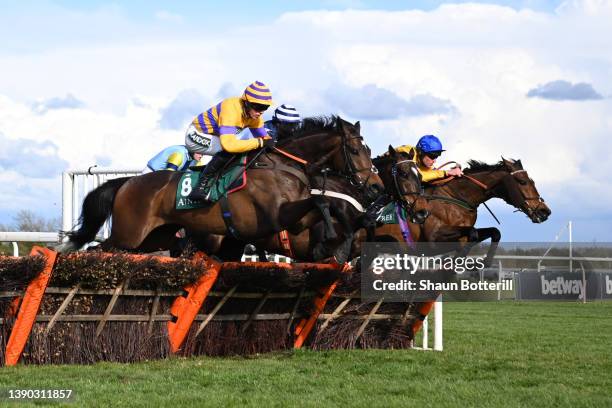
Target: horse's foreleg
x=495 y=236
x=473 y=236
x=323 y=206
x=262 y=255
x=342 y=252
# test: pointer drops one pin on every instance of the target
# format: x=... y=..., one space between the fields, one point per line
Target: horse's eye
x=522 y=182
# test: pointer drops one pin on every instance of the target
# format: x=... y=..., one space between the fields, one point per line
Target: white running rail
x=75 y=186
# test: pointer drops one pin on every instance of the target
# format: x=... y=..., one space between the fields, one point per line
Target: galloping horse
x=402 y=186
x=276 y=197
x=452 y=205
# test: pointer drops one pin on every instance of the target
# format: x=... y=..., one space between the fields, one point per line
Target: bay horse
x=402 y=182
x=452 y=205
x=277 y=196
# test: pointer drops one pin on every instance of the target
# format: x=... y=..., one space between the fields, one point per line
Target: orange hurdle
x=305 y=326
x=185 y=308
x=423 y=311
x=29 y=307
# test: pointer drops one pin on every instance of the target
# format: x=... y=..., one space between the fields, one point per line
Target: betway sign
x=556 y=285
x=562 y=286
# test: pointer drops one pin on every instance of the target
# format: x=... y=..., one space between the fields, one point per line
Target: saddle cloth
x=233 y=179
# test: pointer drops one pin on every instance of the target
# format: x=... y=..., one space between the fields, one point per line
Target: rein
x=348 y=163
x=290 y=156
x=458 y=201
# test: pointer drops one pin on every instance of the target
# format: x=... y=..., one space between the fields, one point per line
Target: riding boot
x=373 y=211
x=199 y=192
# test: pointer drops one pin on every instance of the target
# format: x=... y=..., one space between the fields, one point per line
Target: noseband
x=350 y=171
x=528 y=210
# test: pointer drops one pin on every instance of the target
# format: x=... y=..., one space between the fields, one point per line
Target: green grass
x=496 y=354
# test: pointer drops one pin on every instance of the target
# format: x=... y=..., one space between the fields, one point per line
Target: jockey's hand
x=455 y=171
x=269 y=143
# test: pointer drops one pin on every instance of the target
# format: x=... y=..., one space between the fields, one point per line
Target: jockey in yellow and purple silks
x=216 y=129
x=424 y=154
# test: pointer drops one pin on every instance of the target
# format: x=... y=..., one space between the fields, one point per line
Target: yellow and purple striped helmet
x=258 y=93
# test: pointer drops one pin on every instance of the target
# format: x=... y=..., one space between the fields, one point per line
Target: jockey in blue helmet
x=424 y=154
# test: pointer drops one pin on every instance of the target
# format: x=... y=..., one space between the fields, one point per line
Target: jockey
x=174 y=158
x=424 y=154
x=215 y=131
x=285 y=119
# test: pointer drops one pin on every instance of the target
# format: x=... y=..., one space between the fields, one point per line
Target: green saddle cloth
x=389 y=215
x=233 y=179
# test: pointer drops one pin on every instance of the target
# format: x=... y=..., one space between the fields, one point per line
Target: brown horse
x=402 y=182
x=277 y=196
x=452 y=205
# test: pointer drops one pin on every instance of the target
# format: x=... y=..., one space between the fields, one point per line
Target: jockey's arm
x=431 y=175
x=230 y=143
x=174 y=162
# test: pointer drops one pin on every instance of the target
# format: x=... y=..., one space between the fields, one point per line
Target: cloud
x=480 y=61
x=182 y=109
x=103 y=161
x=373 y=103
x=31 y=158
x=168 y=16
x=67 y=102
x=227 y=90
x=564 y=91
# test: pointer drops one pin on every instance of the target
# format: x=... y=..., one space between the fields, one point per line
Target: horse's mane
x=476 y=166
x=385 y=157
x=311 y=125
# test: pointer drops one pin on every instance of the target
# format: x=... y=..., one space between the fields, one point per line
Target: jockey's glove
x=269 y=143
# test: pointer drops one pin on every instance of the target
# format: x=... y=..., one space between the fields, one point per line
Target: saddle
x=231 y=179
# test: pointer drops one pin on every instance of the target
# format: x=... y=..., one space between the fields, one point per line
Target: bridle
x=400 y=191
x=524 y=206
x=350 y=170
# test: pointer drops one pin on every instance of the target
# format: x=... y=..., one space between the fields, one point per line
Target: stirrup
x=199 y=192
x=199 y=195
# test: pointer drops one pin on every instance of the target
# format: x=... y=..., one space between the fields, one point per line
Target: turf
x=496 y=354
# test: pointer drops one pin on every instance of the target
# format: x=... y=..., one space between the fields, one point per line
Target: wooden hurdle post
x=29 y=307
x=305 y=326
x=185 y=308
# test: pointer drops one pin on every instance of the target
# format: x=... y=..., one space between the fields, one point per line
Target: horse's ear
x=358 y=127
x=519 y=164
x=391 y=151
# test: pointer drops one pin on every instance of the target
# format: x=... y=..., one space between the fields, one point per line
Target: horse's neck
x=465 y=189
x=315 y=148
x=339 y=185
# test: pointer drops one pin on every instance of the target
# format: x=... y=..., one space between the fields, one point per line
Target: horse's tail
x=97 y=207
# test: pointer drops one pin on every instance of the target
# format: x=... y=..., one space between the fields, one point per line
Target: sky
x=111 y=84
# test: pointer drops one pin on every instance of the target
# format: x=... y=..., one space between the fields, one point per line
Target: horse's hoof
x=250 y=249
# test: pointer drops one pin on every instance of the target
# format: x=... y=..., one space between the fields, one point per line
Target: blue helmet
x=429 y=144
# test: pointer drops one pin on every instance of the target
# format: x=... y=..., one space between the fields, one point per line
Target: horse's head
x=520 y=191
x=356 y=159
x=403 y=182
x=335 y=144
